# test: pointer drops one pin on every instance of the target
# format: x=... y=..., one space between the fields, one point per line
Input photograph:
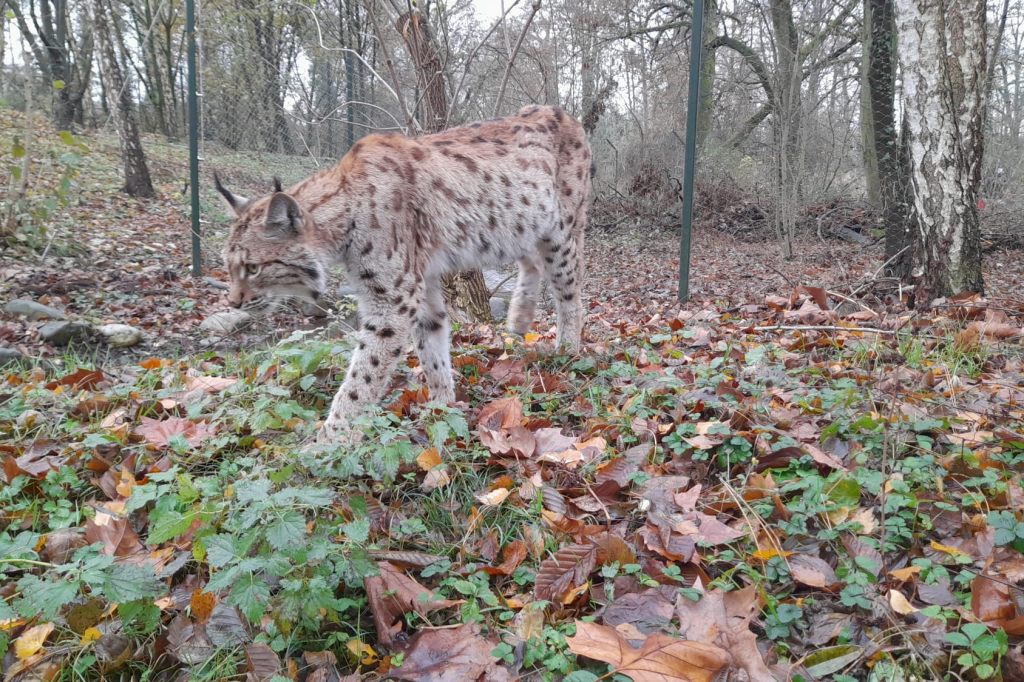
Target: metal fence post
x=193 y=136
x=690 y=153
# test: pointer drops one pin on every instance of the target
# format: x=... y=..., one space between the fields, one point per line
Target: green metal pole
x=193 y=136
x=690 y=158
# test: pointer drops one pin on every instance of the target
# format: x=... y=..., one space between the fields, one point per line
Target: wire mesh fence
x=799 y=128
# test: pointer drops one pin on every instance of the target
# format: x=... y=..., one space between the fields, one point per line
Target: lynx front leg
x=382 y=340
x=433 y=344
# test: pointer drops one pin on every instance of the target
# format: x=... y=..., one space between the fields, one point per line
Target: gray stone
x=63 y=333
x=9 y=356
x=33 y=310
x=500 y=283
x=225 y=322
x=499 y=307
x=120 y=335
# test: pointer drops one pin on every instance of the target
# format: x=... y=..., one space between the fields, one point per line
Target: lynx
x=397 y=213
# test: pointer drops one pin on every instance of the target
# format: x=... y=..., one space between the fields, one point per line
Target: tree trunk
x=870 y=80
x=885 y=150
x=61 y=60
x=942 y=55
x=708 y=64
x=466 y=291
x=787 y=122
x=136 y=173
x=894 y=174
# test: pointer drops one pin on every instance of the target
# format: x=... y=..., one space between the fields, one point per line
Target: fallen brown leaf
x=459 y=654
x=114 y=533
x=392 y=594
x=661 y=658
x=723 y=619
x=569 y=567
x=161 y=432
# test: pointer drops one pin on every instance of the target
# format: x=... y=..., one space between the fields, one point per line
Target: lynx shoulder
x=397 y=213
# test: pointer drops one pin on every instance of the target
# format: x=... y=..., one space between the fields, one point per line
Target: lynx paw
x=338 y=432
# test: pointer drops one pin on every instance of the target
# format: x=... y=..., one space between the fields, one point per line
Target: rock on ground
x=120 y=335
x=499 y=308
x=63 y=333
x=225 y=321
x=9 y=356
x=33 y=310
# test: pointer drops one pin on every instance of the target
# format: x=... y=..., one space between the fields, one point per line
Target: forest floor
x=791 y=476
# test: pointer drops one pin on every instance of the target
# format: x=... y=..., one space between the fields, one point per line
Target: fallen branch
x=843 y=297
x=216 y=283
x=822 y=328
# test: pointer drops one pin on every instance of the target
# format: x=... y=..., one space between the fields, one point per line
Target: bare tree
x=65 y=61
x=137 y=182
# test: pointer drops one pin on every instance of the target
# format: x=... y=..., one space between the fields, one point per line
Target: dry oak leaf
x=723 y=619
x=161 y=432
x=459 y=654
x=392 y=594
x=661 y=658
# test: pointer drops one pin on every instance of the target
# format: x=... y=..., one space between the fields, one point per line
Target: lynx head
x=269 y=254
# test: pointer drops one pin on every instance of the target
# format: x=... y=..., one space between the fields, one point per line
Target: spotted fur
x=398 y=213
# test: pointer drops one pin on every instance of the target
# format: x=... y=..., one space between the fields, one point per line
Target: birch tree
x=942 y=57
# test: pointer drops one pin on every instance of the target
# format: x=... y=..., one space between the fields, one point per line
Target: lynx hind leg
x=433 y=344
x=563 y=258
x=382 y=340
x=524 y=300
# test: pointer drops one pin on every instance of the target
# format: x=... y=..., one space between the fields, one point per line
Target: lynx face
x=268 y=256
x=398 y=213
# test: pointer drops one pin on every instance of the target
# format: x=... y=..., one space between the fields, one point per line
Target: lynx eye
x=252 y=270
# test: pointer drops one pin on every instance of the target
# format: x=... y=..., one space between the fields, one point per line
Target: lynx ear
x=277 y=184
x=236 y=203
x=284 y=217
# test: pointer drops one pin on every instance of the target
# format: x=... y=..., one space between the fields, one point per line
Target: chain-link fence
x=799 y=127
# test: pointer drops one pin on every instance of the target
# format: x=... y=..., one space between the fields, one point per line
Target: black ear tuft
x=235 y=202
x=277 y=184
x=284 y=217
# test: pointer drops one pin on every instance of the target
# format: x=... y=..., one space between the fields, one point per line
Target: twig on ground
x=781 y=274
x=849 y=300
x=822 y=328
x=874 y=277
